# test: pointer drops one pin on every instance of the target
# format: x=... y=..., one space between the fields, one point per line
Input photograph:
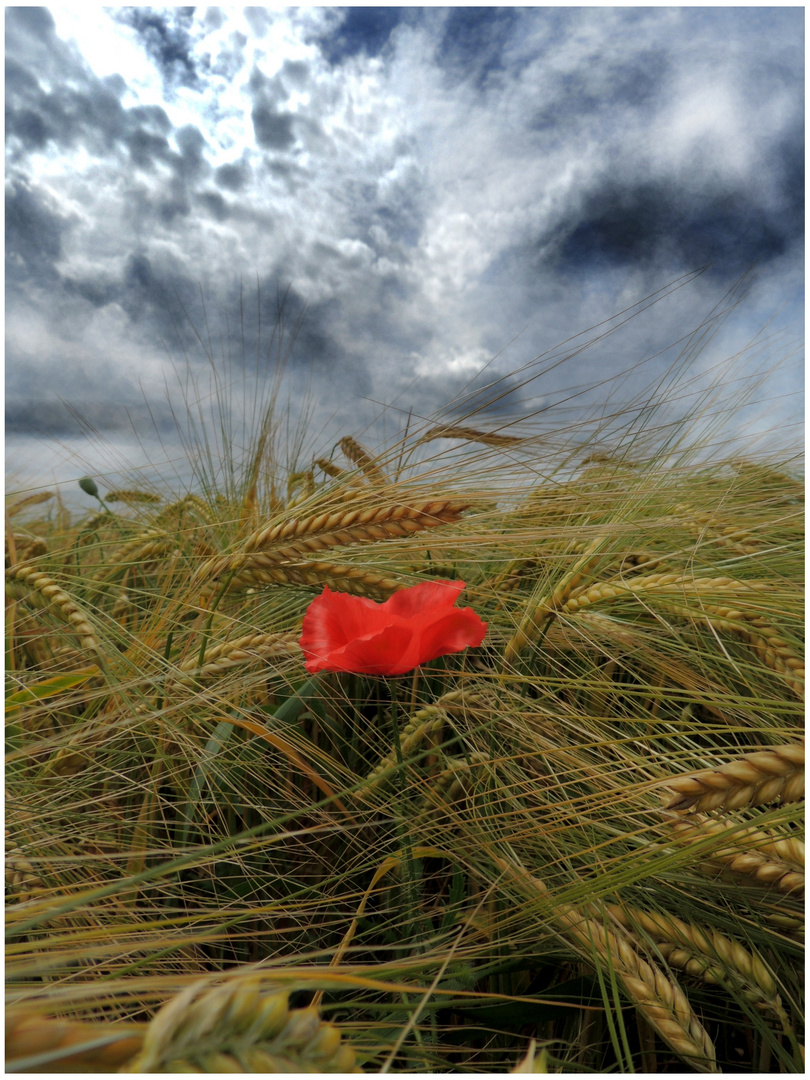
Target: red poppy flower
x=351 y=633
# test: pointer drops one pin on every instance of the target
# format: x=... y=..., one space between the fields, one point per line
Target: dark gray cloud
x=421 y=184
x=165 y=35
x=147 y=148
x=72 y=108
x=473 y=40
x=34 y=231
x=274 y=129
x=654 y=224
x=233 y=177
x=360 y=30
x=58 y=420
x=88 y=112
x=295 y=73
x=214 y=204
x=33 y=45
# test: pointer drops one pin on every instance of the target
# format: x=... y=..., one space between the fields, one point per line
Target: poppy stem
x=397 y=741
x=414 y=685
x=402 y=828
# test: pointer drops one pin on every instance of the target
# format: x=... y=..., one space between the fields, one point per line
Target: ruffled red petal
x=451 y=633
x=352 y=633
x=428 y=597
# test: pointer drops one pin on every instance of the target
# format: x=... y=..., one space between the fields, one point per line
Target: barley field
x=576 y=847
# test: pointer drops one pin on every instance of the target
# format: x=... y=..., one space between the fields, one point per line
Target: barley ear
x=658 y=998
x=340 y=577
x=27 y=501
x=327 y=466
x=240 y=653
x=540 y=611
x=132 y=497
x=361 y=457
x=47 y=593
x=24 y=546
x=741 y=850
x=422 y=725
x=144 y=549
x=775 y=773
x=29 y=1034
x=234 y=1028
x=708 y=955
x=456 y=431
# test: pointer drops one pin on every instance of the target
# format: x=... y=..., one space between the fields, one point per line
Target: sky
x=426 y=193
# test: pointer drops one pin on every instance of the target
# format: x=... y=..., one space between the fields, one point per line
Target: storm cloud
x=420 y=185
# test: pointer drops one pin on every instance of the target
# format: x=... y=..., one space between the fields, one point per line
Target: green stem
x=409 y=867
x=223 y=588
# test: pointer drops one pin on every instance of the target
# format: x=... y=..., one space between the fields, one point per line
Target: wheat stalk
x=25 y=547
x=240 y=652
x=233 y=1028
x=789 y=922
x=299 y=538
x=706 y=524
x=35 y=638
x=360 y=456
x=624 y=633
x=21 y=878
x=421 y=726
x=350 y=480
x=42 y=585
x=327 y=466
x=132 y=497
x=30 y=1034
x=773 y=650
x=123 y=607
x=786 y=849
x=682 y=584
x=304 y=480
x=340 y=577
x=765 y=478
x=454 y=431
x=708 y=955
x=739 y=850
x=29 y=500
x=356 y=526
x=143 y=549
x=776 y=772
x=227 y=1028
x=631 y=561
x=103 y=519
x=181 y=506
x=659 y=999
x=452 y=783
x=532 y=623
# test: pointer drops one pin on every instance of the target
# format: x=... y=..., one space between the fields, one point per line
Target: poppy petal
x=381 y=654
x=341 y=632
x=427 y=596
x=451 y=633
x=333 y=619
